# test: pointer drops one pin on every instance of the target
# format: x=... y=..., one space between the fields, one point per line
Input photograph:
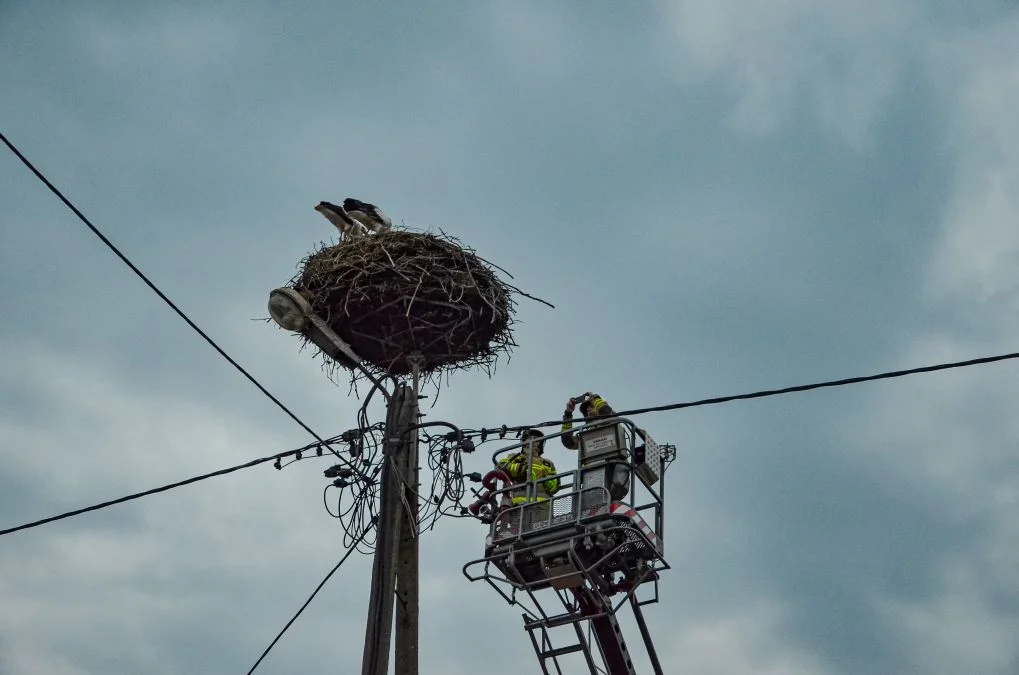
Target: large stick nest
x=396 y=294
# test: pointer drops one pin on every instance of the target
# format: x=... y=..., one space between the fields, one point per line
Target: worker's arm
x=601 y=406
x=539 y=471
x=569 y=440
x=515 y=467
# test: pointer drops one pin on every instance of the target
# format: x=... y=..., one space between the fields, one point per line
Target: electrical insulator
x=467 y=445
x=337 y=470
x=277 y=464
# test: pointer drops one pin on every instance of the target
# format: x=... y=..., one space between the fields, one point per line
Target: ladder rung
x=552 y=622
x=560 y=651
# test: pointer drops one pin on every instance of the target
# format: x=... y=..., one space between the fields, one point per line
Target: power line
x=636 y=411
x=155 y=289
x=307 y=602
x=164 y=488
x=786 y=390
x=821 y=385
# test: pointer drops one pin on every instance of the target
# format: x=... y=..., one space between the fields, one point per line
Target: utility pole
x=407 y=549
x=395 y=567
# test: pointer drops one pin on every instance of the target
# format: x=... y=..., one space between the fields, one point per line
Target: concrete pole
x=378 y=632
x=406 y=655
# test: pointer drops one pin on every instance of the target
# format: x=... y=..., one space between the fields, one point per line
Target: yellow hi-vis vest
x=516 y=467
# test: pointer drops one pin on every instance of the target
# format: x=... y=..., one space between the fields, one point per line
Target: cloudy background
x=718 y=197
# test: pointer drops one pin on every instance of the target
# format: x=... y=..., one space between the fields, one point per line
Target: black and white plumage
x=338 y=216
x=367 y=214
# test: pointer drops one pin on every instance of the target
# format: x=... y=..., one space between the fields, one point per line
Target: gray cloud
x=717 y=199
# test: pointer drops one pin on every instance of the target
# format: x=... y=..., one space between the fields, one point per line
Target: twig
x=411 y=303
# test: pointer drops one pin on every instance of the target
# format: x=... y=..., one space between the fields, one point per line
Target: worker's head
x=537 y=440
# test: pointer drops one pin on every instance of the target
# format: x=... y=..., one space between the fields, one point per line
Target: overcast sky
x=718 y=197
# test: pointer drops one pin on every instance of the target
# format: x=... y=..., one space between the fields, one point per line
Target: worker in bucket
x=592 y=407
x=534 y=512
x=515 y=467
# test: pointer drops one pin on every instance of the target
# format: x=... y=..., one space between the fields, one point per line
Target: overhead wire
x=164 y=488
x=821 y=385
x=109 y=244
x=307 y=602
x=368 y=498
x=451 y=479
x=448 y=487
x=357 y=501
x=768 y=392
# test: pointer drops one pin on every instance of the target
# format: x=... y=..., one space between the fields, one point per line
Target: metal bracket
x=324 y=337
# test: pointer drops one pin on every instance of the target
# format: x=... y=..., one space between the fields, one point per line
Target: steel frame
x=585 y=558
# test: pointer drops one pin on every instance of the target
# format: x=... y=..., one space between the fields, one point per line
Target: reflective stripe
x=541 y=468
x=620 y=509
x=598 y=403
x=524 y=500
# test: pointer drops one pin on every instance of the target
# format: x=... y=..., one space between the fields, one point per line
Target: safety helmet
x=533 y=433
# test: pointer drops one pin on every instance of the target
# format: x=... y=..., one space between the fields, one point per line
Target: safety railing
x=503 y=571
x=573 y=500
x=562 y=510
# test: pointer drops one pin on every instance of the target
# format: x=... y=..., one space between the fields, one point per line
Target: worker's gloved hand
x=570 y=406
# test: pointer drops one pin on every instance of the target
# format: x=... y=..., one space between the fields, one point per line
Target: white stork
x=367 y=214
x=338 y=216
